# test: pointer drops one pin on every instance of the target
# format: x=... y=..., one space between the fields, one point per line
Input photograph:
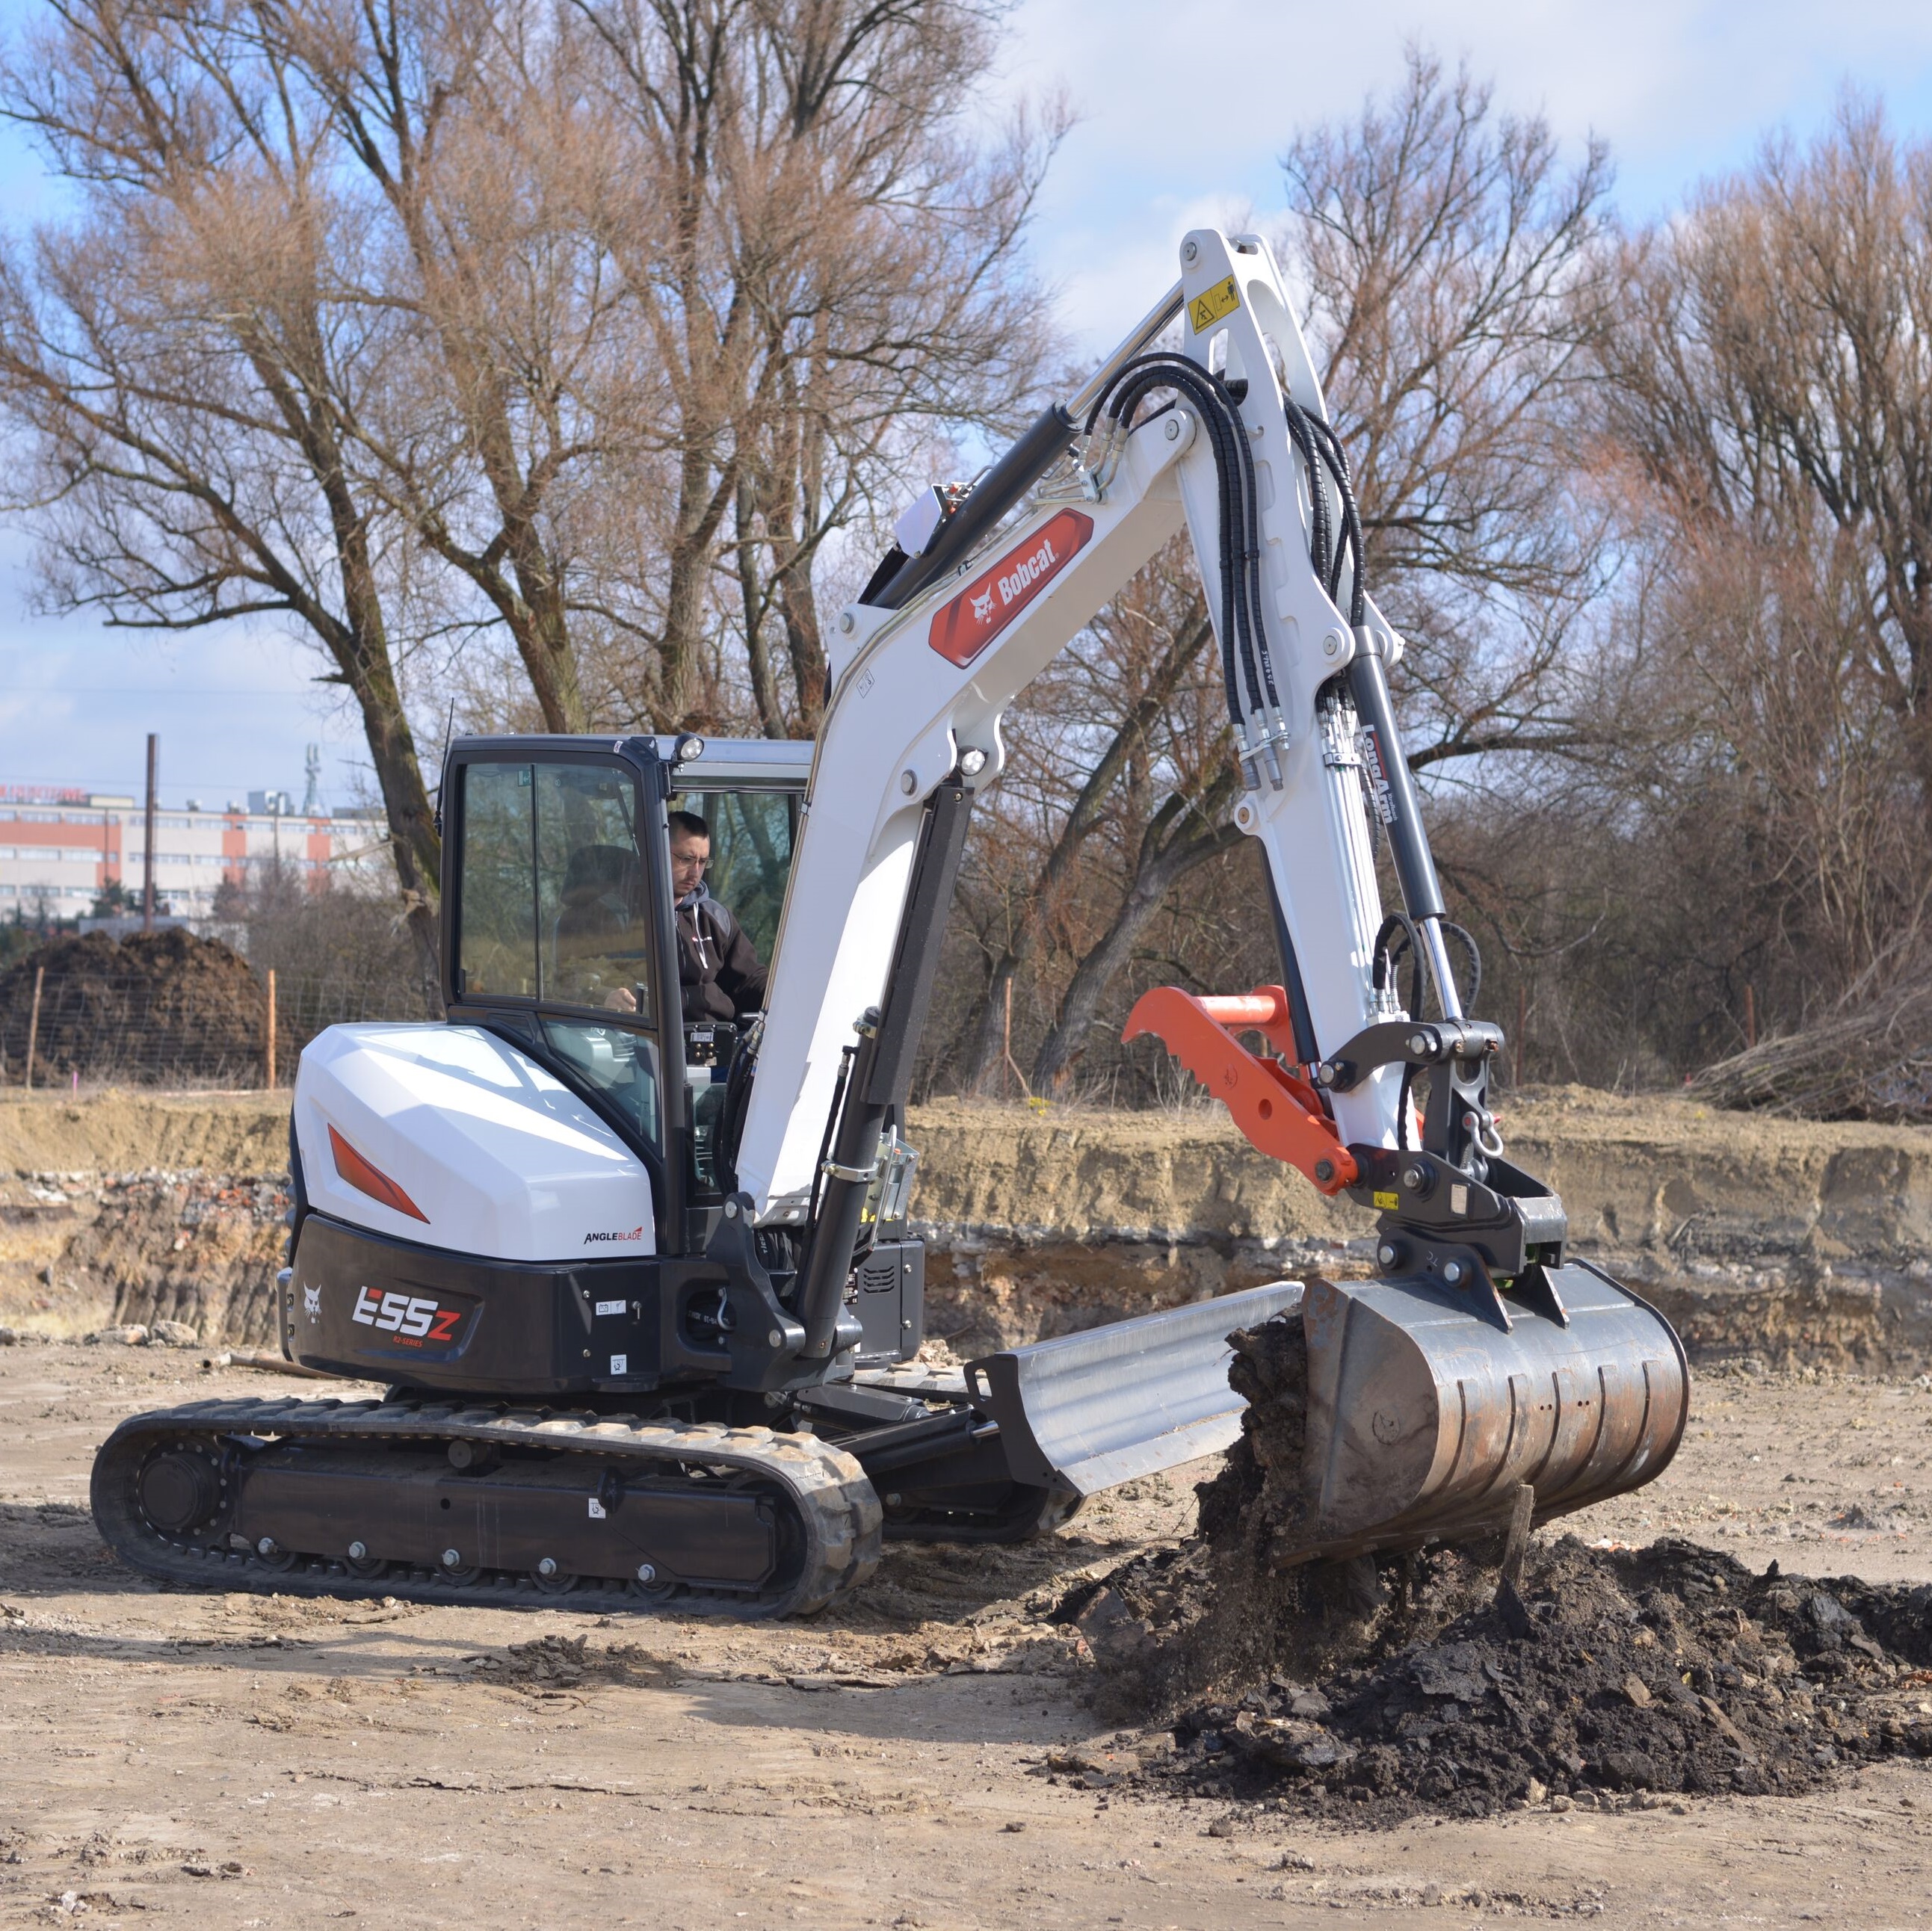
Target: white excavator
x=641 y=1280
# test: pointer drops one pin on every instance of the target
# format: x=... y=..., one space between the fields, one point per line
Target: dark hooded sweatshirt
x=719 y=974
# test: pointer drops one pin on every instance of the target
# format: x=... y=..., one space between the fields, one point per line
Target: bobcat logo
x=982 y=607
x=312 y=1302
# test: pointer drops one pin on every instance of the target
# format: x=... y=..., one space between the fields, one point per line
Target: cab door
x=556 y=929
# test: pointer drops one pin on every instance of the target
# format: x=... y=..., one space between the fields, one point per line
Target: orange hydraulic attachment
x=1279 y=1110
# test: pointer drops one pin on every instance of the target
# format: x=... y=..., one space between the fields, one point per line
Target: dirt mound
x=1426 y=1680
x=1615 y=1673
x=158 y=1005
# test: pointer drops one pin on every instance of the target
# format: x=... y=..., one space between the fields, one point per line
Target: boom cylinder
x=848 y=1172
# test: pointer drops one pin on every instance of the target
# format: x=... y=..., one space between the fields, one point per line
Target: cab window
x=552 y=909
x=752 y=834
x=593 y=929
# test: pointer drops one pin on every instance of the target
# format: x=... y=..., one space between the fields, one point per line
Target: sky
x=1183 y=113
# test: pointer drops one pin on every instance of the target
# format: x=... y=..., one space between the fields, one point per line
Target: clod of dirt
x=568 y=1662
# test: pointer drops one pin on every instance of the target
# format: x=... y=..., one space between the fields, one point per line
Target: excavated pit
x=1424 y=1680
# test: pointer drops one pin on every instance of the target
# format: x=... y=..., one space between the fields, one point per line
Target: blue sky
x=1184 y=111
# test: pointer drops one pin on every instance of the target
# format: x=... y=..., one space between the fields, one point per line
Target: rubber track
x=836 y=1507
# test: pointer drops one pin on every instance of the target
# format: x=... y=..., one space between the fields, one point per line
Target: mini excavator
x=643 y=1291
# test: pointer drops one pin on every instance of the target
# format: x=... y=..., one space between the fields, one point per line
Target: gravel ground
x=257 y=1761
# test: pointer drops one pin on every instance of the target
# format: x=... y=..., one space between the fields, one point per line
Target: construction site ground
x=266 y=1761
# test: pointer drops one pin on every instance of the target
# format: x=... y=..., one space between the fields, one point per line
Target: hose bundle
x=1246 y=663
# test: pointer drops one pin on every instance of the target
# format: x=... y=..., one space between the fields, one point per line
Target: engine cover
x=448 y=1136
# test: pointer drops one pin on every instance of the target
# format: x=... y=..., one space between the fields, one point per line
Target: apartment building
x=60 y=846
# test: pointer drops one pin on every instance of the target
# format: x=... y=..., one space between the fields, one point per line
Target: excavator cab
x=558 y=929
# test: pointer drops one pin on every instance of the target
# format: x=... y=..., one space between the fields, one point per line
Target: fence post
x=34 y=1022
x=269 y=1045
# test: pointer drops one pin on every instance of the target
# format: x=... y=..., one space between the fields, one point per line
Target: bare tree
x=1457 y=281
x=1772 y=376
x=827 y=258
x=186 y=377
x=414 y=326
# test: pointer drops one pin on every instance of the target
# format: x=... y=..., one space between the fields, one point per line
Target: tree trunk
x=984 y=1033
x=1165 y=862
x=757 y=605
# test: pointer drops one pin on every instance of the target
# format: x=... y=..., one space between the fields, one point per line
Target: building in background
x=60 y=846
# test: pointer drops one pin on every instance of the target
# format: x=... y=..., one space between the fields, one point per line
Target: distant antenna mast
x=148 y=835
x=312 y=797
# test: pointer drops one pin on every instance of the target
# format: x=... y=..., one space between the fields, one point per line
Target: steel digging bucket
x=1427 y=1407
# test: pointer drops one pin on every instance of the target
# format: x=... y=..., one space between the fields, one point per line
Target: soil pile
x=156 y=1006
x=1426 y=1680
x=1613 y=1673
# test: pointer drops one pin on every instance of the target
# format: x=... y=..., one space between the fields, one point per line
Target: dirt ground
x=246 y=1761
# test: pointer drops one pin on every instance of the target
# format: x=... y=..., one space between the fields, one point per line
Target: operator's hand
x=620 y=999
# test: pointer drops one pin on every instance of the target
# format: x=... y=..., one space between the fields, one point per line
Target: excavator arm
x=1482 y=1360
x=922 y=673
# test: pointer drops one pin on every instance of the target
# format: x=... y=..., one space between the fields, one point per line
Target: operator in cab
x=720 y=975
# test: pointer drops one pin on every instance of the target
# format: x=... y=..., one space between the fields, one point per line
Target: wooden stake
x=148 y=854
x=1005 y=1056
x=268 y=1044
x=1521 y=1027
x=1751 y=1018
x=34 y=1021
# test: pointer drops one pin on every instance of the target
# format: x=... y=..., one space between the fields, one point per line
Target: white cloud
x=1190 y=109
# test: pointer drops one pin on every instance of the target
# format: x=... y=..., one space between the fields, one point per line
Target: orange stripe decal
x=371 y=1180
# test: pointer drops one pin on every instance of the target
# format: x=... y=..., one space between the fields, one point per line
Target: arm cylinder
x=1408 y=842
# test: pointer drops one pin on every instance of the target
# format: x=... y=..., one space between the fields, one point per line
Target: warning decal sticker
x=963 y=627
x=1205 y=310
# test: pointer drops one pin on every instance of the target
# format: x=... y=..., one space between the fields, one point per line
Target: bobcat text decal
x=963 y=627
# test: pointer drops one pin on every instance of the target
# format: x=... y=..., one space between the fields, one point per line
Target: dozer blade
x=1087 y=1411
x=1427 y=1407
